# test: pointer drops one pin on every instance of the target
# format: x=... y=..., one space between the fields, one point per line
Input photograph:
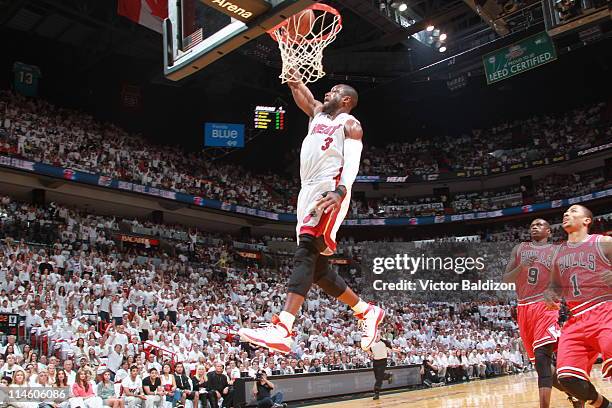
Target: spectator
x=11 y=366
x=218 y=386
x=132 y=389
x=199 y=383
x=184 y=387
x=168 y=382
x=106 y=391
x=153 y=390
x=262 y=388
x=83 y=392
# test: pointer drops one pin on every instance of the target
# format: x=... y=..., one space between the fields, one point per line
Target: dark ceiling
x=372 y=47
x=86 y=51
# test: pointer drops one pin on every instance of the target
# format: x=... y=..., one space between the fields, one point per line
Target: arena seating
x=38 y=130
x=58 y=273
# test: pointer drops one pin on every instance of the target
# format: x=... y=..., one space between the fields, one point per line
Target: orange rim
x=316 y=6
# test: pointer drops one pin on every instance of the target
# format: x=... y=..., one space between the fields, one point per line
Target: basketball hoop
x=302 y=52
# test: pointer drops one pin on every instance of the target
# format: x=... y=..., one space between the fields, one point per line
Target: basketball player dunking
x=529 y=268
x=582 y=274
x=329 y=163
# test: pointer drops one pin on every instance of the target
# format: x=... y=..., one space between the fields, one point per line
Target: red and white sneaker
x=274 y=336
x=368 y=322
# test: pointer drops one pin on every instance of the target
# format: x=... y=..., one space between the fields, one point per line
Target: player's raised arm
x=352 y=153
x=552 y=295
x=304 y=99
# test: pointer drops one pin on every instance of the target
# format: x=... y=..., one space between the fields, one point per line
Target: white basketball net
x=302 y=54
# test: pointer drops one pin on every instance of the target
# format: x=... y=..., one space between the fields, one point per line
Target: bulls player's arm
x=605 y=244
x=353 y=134
x=552 y=295
x=514 y=268
x=304 y=99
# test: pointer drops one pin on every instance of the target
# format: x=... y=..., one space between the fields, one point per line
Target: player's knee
x=305 y=259
x=332 y=284
x=579 y=388
x=543 y=366
x=312 y=243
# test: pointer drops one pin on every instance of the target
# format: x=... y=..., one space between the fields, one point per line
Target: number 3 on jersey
x=328 y=141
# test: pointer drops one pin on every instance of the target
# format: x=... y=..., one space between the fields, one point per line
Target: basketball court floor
x=516 y=391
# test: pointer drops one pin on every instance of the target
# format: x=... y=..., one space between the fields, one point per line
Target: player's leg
x=599 y=323
x=575 y=359
x=546 y=376
x=584 y=391
x=370 y=316
x=604 y=337
x=278 y=336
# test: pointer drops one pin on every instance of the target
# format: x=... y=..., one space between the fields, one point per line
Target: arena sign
x=520 y=57
x=243 y=10
x=223 y=135
x=139 y=240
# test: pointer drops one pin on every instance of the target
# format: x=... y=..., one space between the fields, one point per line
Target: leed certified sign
x=520 y=57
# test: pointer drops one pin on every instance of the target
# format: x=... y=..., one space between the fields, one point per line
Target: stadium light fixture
x=403 y=7
x=443 y=37
x=430 y=28
x=442 y=49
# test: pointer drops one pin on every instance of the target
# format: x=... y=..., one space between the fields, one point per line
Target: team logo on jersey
x=325 y=130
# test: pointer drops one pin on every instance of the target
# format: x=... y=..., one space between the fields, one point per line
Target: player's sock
x=287 y=319
x=360 y=307
x=600 y=402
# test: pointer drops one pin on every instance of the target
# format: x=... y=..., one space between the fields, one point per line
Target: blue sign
x=223 y=135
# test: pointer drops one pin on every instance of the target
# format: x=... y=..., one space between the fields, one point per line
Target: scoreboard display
x=9 y=324
x=269 y=118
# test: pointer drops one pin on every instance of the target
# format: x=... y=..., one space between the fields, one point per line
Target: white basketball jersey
x=322 y=154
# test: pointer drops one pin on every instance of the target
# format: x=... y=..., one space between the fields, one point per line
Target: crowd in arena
x=508 y=143
x=64 y=273
x=43 y=132
x=553 y=187
x=37 y=130
x=102 y=316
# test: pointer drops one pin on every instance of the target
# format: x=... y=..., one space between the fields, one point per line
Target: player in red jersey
x=582 y=274
x=529 y=268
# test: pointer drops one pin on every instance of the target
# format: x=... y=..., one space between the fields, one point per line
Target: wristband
x=340 y=190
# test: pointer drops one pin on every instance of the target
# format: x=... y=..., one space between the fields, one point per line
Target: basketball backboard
x=198 y=32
